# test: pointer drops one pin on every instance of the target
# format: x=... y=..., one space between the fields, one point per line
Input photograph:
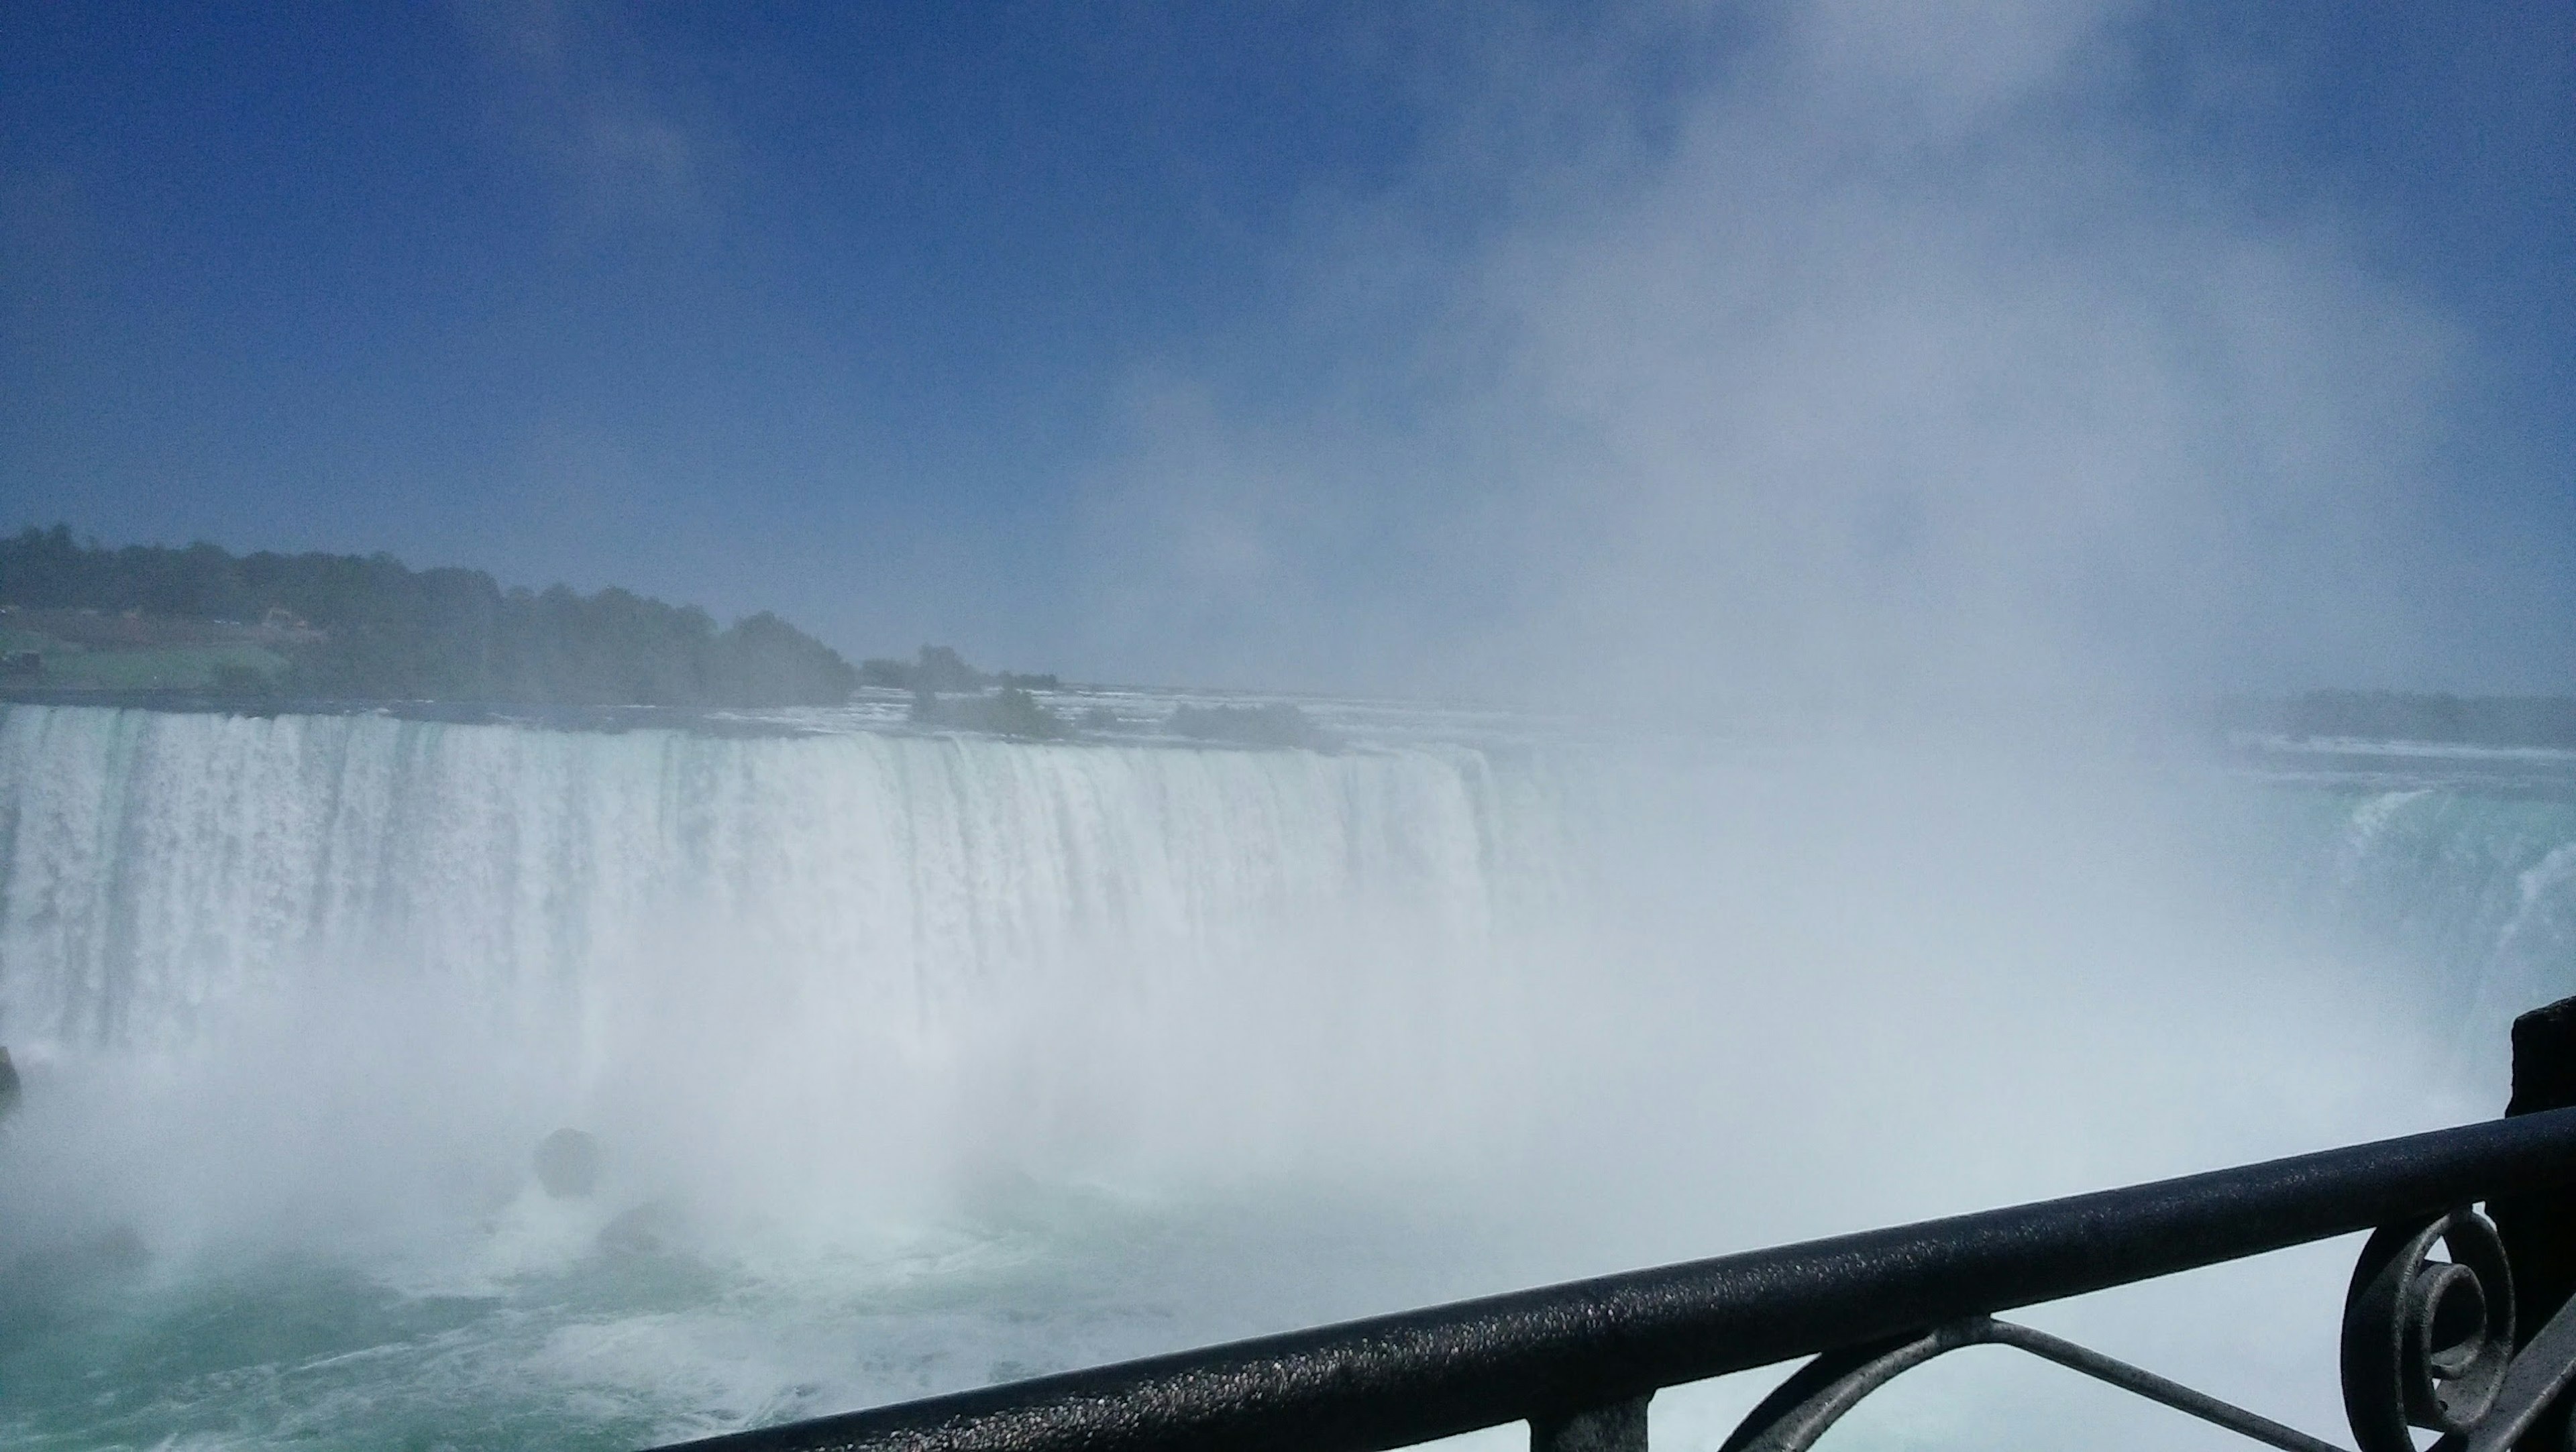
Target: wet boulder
x=647 y=1229
x=568 y=1164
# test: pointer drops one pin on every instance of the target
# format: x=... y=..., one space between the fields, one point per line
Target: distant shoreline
x=704 y=720
x=203 y=623
x=1272 y=727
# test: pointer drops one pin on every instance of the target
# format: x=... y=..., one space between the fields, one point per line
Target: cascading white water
x=2472 y=893
x=808 y=978
x=1012 y=1055
x=302 y=991
x=158 y=867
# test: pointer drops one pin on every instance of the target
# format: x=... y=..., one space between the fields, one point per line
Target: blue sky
x=1791 y=345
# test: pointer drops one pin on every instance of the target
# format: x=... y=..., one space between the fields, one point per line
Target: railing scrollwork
x=2427 y=1342
x=2438 y=1330
x=1810 y=1402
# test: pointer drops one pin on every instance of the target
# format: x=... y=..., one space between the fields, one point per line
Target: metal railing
x=2472 y=1343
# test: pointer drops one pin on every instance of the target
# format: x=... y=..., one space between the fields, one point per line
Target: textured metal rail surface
x=1577 y=1360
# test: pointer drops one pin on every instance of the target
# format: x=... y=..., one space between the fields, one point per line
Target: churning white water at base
x=869 y=1024
x=919 y=1061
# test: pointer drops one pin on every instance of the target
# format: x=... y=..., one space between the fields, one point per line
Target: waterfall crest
x=156 y=867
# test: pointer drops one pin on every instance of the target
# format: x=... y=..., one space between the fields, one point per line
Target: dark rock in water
x=568 y=1164
x=8 y=1083
x=648 y=1229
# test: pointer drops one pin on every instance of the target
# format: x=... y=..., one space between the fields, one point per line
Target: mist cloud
x=1893 y=359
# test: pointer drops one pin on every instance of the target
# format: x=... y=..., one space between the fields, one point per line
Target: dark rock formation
x=1278 y=724
x=938 y=668
x=648 y=1229
x=8 y=1083
x=568 y=1164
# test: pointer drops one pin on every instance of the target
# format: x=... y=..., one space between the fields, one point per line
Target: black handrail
x=1563 y=1352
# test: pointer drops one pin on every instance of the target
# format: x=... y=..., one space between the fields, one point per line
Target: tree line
x=379 y=629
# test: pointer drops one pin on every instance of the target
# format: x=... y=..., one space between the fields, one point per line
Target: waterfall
x=799 y=974
x=574 y=904
x=156 y=868
x=2470 y=894
x=927 y=1060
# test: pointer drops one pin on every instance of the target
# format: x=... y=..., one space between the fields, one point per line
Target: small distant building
x=283 y=625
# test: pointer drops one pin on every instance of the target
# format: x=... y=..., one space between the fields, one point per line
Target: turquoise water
x=603 y=1348
x=301 y=1351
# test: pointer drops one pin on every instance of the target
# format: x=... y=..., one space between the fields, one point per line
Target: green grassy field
x=161 y=668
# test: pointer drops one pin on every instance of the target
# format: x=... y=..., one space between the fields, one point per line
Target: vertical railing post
x=1618 y=1427
x=2539 y=1230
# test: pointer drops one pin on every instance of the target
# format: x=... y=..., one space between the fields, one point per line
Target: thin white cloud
x=573 y=90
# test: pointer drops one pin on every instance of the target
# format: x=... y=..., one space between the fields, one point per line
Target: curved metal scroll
x=1802 y=1408
x=2429 y=1343
x=2426 y=1343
